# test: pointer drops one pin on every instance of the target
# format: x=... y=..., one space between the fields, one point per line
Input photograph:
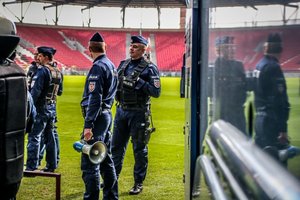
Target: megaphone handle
x=78 y=146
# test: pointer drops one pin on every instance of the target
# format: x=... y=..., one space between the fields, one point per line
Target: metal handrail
x=205 y=165
x=233 y=183
x=261 y=176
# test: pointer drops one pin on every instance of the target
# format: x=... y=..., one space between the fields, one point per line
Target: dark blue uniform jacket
x=149 y=81
x=271 y=91
x=39 y=86
x=100 y=88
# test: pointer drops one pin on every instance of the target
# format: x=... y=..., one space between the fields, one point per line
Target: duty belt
x=133 y=107
x=104 y=110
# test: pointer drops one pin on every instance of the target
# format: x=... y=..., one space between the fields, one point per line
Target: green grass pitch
x=166 y=147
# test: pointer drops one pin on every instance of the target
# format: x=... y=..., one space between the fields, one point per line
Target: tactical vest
x=13 y=106
x=56 y=79
x=131 y=98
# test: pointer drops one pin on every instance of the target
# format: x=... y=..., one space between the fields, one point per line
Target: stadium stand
x=46 y=36
x=167 y=46
x=115 y=40
x=169 y=50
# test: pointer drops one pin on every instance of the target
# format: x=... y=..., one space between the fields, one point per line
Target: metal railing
x=236 y=168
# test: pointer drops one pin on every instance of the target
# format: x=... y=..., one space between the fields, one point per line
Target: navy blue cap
x=46 y=50
x=274 y=38
x=97 y=37
x=274 y=43
x=224 y=40
x=139 y=39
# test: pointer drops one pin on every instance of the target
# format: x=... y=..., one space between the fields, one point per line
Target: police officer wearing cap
x=230 y=84
x=43 y=143
x=44 y=87
x=271 y=100
x=98 y=97
x=138 y=81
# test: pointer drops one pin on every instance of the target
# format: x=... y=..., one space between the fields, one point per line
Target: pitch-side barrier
x=235 y=168
x=57 y=177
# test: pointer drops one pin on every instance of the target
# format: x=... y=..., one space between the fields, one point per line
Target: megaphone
x=96 y=152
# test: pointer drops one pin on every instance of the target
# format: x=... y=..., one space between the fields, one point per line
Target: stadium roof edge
x=113 y=3
x=100 y=28
x=156 y=3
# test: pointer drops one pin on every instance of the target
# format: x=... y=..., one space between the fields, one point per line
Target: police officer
x=13 y=102
x=44 y=87
x=99 y=93
x=138 y=81
x=53 y=110
x=271 y=100
x=229 y=84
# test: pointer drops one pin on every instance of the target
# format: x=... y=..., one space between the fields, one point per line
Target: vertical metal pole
x=89 y=23
x=22 y=17
x=56 y=14
x=58 y=185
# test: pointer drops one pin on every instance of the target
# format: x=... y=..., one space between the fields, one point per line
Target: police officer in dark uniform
x=98 y=97
x=271 y=100
x=230 y=86
x=138 y=81
x=13 y=101
x=55 y=133
x=44 y=87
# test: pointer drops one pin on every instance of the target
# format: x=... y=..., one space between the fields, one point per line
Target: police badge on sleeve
x=157 y=83
x=92 y=86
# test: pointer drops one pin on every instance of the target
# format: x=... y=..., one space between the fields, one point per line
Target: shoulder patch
x=92 y=86
x=157 y=83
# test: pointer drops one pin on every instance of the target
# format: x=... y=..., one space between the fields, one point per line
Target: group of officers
x=131 y=85
x=268 y=84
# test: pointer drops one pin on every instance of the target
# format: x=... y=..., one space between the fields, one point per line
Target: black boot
x=136 y=189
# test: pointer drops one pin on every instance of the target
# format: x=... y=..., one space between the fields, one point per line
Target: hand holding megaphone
x=87 y=134
x=96 y=152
